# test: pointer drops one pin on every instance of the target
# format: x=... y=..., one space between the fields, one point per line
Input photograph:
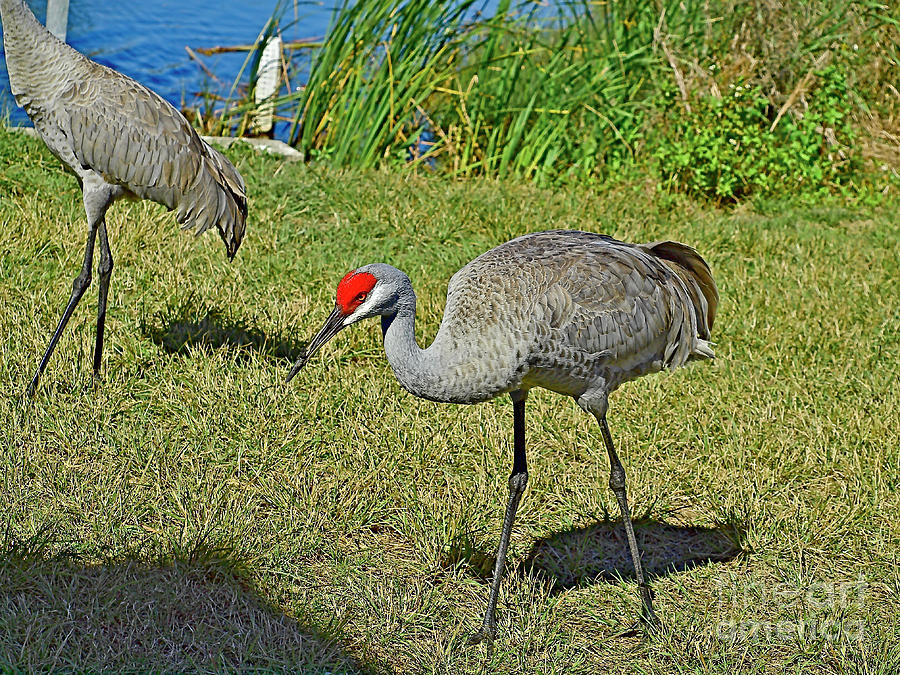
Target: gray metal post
x=58 y=17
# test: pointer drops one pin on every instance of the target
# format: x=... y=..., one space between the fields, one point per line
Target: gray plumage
x=573 y=312
x=121 y=140
x=104 y=125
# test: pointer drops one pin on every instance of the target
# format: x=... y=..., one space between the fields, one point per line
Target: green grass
x=193 y=500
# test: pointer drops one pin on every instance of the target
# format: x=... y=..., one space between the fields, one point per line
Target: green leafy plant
x=732 y=146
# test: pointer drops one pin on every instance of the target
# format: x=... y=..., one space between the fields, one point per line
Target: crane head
x=353 y=290
x=354 y=301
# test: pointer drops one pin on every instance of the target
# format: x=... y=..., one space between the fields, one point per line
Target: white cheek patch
x=375 y=298
x=378 y=294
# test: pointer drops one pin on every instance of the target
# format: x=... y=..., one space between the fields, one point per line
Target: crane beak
x=333 y=325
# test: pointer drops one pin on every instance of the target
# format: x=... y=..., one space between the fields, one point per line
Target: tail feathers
x=217 y=198
x=703 y=350
x=693 y=270
x=230 y=180
x=231 y=209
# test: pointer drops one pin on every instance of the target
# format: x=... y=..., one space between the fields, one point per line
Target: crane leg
x=79 y=286
x=518 y=480
x=617 y=485
x=105 y=270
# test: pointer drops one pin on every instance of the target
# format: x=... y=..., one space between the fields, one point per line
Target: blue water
x=146 y=40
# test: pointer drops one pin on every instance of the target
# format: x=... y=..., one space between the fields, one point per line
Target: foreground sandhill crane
x=121 y=140
x=573 y=312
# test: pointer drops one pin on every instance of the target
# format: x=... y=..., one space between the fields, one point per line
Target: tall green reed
x=381 y=63
x=529 y=91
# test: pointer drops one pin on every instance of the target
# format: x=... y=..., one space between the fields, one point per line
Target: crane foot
x=484 y=634
x=645 y=625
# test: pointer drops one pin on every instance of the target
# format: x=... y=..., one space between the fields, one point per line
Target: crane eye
x=361 y=297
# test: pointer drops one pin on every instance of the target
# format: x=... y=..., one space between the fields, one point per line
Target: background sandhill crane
x=573 y=312
x=121 y=140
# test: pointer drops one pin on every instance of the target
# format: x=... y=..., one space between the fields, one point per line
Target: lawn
x=192 y=512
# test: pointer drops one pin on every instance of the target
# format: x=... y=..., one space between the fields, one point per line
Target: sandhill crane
x=121 y=140
x=573 y=312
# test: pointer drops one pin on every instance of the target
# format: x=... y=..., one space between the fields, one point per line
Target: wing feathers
x=134 y=138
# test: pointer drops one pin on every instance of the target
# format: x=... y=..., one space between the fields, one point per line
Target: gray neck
x=417 y=370
x=18 y=21
x=33 y=54
x=8 y=7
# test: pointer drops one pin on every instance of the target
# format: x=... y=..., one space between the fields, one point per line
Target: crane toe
x=648 y=624
x=485 y=634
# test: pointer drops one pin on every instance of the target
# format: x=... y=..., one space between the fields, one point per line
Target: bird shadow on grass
x=59 y=614
x=599 y=552
x=184 y=326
